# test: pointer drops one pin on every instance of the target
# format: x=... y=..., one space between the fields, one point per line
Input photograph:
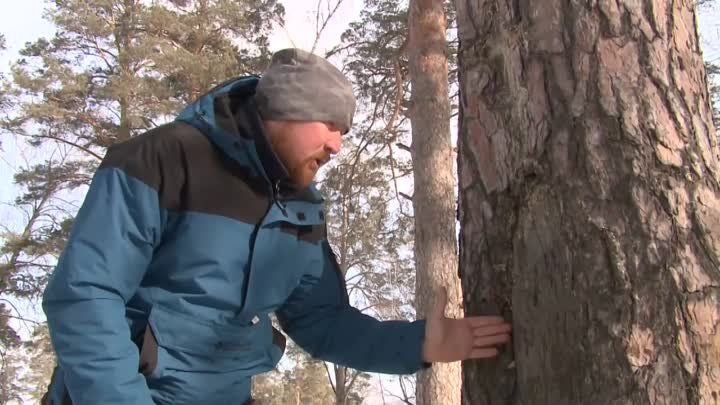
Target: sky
x=709 y=23
x=23 y=22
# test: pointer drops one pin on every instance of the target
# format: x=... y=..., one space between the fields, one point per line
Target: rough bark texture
x=589 y=202
x=340 y=388
x=434 y=196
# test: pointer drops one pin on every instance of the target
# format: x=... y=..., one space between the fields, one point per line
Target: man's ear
x=272 y=128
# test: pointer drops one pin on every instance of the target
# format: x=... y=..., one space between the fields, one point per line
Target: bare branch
x=73 y=144
x=408 y=197
x=17 y=311
x=321 y=25
x=403 y=147
x=327 y=371
x=352 y=381
x=25 y=320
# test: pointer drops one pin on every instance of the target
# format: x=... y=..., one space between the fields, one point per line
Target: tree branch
x=320 y=29
x=73 y=144
x=327 y=371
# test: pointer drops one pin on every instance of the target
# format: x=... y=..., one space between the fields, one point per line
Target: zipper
x=275 y=187
x=251 y=257
x=274 y=194
x=276 y=197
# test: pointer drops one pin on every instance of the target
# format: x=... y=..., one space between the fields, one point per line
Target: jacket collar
x=228 y=115
x=247 y=120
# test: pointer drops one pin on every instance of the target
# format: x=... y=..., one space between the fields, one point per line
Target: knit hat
x=300 y=86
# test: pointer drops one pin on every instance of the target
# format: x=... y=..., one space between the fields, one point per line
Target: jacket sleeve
x=320 y=319
x=106 y=256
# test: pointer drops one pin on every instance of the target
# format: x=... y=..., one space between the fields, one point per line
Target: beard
x=303 y=173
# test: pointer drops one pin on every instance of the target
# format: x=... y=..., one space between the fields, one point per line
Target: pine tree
x=712 y=67
x=113 y=69
x=195 y=41
x=41 y=361
x=434 y=179
x=109 y=73
x=375 y=50
x=303 y=382
x=10 y=390
x=590 y=202
x=3 y=47
x=268 y=388
x=369 y=216
x=369 y=229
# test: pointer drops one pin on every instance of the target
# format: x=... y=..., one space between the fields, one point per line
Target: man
x=194 y=232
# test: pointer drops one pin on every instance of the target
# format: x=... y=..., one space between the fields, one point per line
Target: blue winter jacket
x=187 y=240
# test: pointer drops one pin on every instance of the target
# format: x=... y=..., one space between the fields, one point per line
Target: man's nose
x=333 y=143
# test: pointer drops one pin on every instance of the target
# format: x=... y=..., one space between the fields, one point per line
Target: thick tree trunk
x=434 y=196
x=589 y=201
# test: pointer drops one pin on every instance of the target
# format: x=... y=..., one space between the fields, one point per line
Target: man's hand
x=448 y=340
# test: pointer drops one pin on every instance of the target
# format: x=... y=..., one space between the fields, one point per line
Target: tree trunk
x=434 y=196
x=123 y=42
x=589 y=201
x=340 y=388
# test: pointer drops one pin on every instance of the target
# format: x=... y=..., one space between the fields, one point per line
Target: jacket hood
x=228 y=115
x=225 y=114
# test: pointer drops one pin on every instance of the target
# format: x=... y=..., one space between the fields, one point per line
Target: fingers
x=484 y=353
x=492 y=330
x=484 y=342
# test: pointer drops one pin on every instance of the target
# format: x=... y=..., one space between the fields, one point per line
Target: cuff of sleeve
x=414 y=340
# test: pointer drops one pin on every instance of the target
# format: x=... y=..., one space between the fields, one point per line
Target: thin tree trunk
x=340 y=381
x=123 y=42
x=434 y=196
x=590 y=201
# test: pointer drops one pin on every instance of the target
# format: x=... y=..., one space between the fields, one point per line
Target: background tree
x=589 y=201
x=713 y=72
x=41 y=357
x=303 y=381
x=434 y=185
x=10 y=389
x=3 y=47
x=712 y=65
x=370 y=222
x=369 y=237
x=104 y=77
x=199 y=43
x=113 y=69
x=375 y=52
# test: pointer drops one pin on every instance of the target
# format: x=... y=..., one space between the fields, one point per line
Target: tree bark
x=340 y=388
x=434 y=195
x=123 y=42
x=589 y=201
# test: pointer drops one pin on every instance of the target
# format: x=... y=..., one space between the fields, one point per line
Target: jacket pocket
x=148 y=353
x=176 y=341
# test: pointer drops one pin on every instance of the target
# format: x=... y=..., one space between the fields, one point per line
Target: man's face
x=303 y=147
